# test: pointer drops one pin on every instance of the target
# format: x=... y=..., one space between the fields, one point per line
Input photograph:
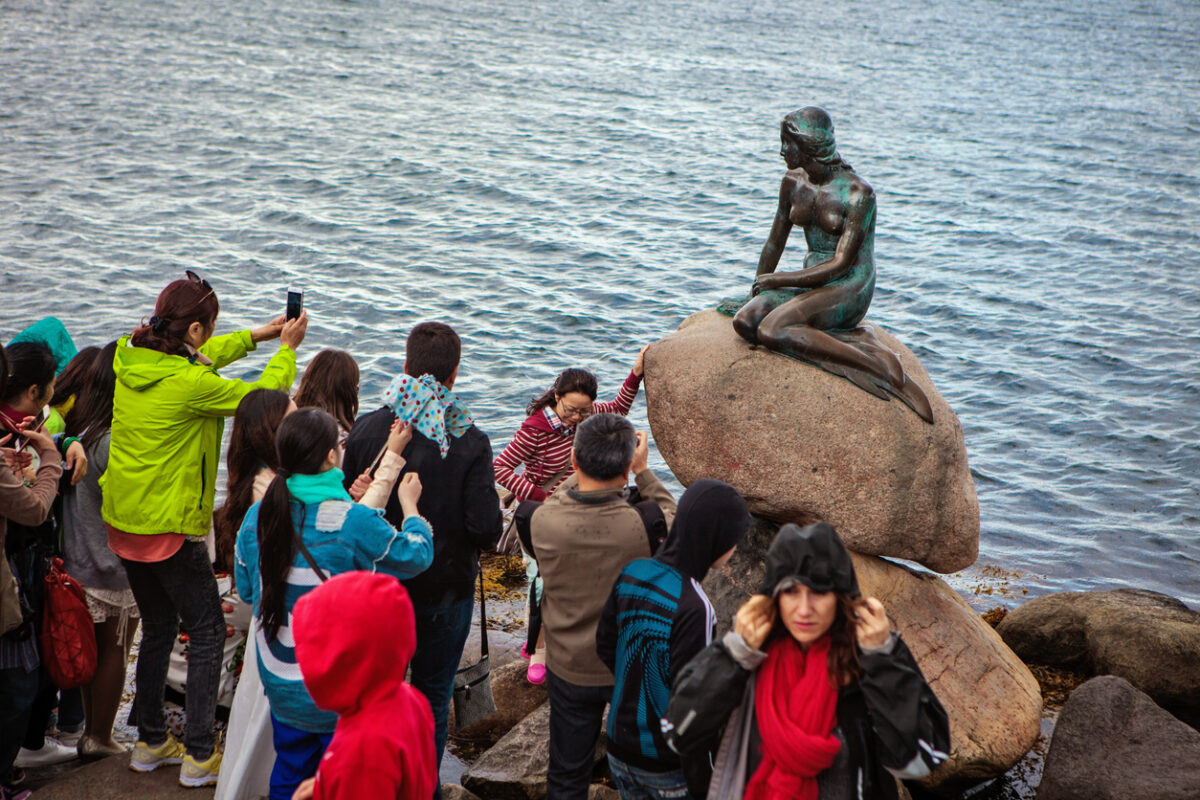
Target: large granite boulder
x=1112 y=742
x=992 y=699
x=803 y=445
x=1151 y=640
x=515 y=767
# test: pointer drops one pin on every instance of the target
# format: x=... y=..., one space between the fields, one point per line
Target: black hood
x=813 y=555
x=712 y=517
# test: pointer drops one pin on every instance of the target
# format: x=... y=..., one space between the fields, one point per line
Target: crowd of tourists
x=302 y=639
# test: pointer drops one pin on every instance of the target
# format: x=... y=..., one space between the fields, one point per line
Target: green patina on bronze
x=813 y=314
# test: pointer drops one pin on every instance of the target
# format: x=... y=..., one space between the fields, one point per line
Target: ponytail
x=303 y=440
x=569 y=380
x=179 y=305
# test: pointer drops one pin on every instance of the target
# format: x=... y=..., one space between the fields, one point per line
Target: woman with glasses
x=541 y=449
x=169 y=409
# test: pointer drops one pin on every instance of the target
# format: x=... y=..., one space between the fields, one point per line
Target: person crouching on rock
x=541 y=449
x=656 y=620
x=354 y=636
x=817 y=696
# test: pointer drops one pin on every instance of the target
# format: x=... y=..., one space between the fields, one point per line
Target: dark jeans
x=441 y=634
x=639 y=784
x=45 y=697
x=575 y=716
x=17 y=691
x=180 y=589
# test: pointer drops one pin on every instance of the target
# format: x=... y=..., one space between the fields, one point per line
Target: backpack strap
x=654 y=521
x=312 y=562
x=523 y=517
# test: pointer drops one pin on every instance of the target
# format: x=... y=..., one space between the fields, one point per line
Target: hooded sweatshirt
x=543 y=444
x=168 y=417
x=355 y=635
x=658 y=617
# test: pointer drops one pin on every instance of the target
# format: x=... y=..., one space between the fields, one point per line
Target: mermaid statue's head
x=808 y=132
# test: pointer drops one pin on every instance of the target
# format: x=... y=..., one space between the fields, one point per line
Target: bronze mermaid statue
x=813 y=314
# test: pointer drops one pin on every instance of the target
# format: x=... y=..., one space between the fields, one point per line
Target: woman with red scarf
x=811 y=696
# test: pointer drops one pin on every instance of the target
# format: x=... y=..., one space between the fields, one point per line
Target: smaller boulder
x=515 y=767
x=1112 y=742
x=1149 y=639
x=452 y=791
x=598 y=791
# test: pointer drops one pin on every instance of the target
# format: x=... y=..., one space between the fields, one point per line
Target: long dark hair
x=75 y=376
x=179 y=305
x=29 y=364
x=330 y=383
x=569 y=380
x=91 y=416
x=251 y=447
x=303 y=440
x=842 y=661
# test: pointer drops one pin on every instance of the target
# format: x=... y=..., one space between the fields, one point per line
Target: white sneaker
x=69 y=738
x=51 y=752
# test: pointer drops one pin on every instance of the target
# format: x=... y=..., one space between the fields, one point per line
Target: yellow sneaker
x=147 y=759
x=200 y=773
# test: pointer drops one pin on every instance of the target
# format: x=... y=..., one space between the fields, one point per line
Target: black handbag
x=473 y=684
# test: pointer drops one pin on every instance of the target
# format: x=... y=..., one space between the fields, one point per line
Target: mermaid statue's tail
x=892 y=380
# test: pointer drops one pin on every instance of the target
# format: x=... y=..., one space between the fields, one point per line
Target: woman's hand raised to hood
x=754 y=620
x=872 y=625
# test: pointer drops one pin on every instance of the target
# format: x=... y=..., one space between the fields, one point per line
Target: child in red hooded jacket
x=354 y=636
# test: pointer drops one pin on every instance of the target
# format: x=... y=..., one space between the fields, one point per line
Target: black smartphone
x=38 y=421
x=295 y=302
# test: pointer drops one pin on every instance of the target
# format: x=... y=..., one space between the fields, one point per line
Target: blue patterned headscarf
x=429 y=407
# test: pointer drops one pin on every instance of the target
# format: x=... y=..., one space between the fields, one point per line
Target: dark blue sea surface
x=566 y=181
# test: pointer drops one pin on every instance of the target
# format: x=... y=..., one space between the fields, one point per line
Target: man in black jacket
x=459 y=500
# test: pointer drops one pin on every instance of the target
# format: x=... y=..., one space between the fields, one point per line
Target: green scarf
x=323 y=486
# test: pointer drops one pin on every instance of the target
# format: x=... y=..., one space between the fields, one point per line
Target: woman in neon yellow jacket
x=168 y=415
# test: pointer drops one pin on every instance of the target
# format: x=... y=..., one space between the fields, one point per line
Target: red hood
x=355 y=635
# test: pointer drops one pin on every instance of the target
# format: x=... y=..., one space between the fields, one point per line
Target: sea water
x=564 y=182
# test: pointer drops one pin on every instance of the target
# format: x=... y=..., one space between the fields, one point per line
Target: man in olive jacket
x=583 y=536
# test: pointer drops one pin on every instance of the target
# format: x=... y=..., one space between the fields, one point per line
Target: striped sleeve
x=522 y=449
x=624 y=399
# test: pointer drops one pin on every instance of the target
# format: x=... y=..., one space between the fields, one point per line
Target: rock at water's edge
x=515 y=767
x=1151 y=640
x=803 y=445
x=1112 y=742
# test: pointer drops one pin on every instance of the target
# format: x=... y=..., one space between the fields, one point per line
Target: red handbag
x=68 y=636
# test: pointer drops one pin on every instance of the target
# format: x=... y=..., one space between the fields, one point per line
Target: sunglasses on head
x=194 y=278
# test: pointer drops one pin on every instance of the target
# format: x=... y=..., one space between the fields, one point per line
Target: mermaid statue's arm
x=777 y=238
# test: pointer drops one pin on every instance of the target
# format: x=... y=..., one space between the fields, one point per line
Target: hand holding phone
x=31 y=425
x=295 y=303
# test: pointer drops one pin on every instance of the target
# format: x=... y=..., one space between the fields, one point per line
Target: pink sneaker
x=524 y=652
x=536 y=674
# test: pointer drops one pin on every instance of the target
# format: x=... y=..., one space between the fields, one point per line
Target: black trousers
x=576 y=713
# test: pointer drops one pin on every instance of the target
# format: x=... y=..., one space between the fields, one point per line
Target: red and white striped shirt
x=545 y=451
